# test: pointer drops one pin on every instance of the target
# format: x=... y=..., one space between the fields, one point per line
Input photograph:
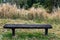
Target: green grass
x=29 y=34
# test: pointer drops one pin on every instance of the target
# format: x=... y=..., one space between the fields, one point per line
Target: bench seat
x=38 y=26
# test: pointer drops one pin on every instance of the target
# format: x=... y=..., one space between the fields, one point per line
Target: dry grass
x=11 y=11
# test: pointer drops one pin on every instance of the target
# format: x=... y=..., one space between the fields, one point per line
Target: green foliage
x=0 y=1
x=37 y=5
x=29 y=3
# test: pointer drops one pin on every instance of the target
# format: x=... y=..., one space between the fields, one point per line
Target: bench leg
x=13 y=32
x=46 y=31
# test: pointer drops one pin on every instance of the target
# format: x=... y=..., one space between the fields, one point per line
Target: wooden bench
x=28 y=26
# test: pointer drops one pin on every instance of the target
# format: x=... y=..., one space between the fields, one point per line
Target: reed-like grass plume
x=11 y=11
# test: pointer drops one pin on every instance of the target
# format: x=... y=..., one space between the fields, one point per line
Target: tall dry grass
x=11 y=11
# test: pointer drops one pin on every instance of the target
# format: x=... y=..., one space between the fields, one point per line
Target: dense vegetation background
x=47 y=4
